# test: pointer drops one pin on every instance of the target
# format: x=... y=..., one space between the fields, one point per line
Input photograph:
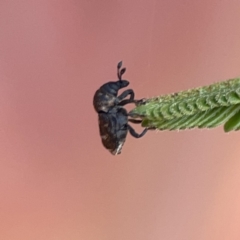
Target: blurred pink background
x=56 y=179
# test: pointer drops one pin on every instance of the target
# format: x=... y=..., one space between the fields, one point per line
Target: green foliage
x=204 y=107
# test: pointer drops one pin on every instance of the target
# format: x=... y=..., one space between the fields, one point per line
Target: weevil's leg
x=126 y=101
x=136 y=135
x=124 y=95
x=136 y=121
x=133 y=115
x=132 y=100
x=141 y=101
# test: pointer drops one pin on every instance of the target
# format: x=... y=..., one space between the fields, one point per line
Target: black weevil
x=113 y=118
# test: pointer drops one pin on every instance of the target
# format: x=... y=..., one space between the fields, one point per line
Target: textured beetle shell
x=113 y=129
x=105 y=97
x=107 y=101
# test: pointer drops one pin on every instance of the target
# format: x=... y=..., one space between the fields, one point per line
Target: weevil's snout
x=123 y=83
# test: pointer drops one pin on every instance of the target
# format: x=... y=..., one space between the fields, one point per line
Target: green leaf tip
x=203 y=107
x=233 y=124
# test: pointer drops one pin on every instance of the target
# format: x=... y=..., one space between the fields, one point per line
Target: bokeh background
x=56 y=179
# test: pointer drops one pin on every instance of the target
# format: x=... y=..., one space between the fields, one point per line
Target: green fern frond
x=204 y=107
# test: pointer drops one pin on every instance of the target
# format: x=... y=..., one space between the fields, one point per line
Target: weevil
x=113 y=118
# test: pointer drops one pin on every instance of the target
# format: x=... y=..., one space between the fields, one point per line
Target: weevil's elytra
x=112 y=116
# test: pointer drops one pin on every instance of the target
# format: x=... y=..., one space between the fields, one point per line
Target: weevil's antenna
x=120 y=71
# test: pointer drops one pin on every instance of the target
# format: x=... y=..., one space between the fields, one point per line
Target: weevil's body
x=113 y=129
x=113 y=118
x=106 y=98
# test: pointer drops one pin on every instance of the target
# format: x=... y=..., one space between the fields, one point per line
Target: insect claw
x=141 y=101
x=132 y=114
x=151 y=128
